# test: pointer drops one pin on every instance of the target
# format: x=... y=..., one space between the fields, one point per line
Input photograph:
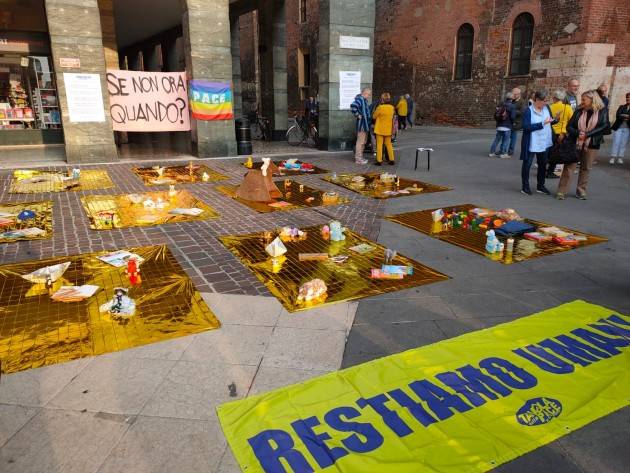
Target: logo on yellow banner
x=464 y=404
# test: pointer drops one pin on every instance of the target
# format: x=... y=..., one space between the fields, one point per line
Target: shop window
x=464 y=51
x=302 y=11
x=28 y=90
x=522 y=38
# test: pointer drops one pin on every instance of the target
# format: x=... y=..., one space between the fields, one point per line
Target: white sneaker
x=360 y=161
x=612 y=161
x=619 y=161
x=492 y=155
x=505 y=156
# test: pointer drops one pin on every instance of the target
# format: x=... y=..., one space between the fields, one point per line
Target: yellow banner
x=467 y=404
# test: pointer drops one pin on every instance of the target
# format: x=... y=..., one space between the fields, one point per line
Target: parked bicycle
x=260 y=126
x=303 y=132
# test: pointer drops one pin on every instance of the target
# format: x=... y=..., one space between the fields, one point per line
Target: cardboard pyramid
x=257 y=184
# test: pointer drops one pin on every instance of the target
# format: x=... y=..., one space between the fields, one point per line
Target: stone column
x=336 y=18
x=206 y=26
x=236 y=66
x=273 y=64
x=279 y=51
x=151 y=59
x=75 y=32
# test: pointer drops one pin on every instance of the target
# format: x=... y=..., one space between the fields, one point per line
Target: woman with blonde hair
x=586 y=128
x=383 y=128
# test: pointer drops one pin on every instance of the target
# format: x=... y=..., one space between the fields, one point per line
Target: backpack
x=501 y=113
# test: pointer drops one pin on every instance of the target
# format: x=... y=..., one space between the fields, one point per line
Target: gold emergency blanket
x=13 y=228
x=294 y=196
x=36 y=331
x=306 y=171
x=345 y=281
x=150 y=208
x=371 y=185
x=475 y=241
x=171 y=175
x=28 y=181
x=463 y=405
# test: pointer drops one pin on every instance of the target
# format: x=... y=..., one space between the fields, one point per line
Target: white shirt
x=540 y=140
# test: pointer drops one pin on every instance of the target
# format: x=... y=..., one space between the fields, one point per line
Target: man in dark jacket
x=504 y=117
x=517 y=122
x=361 y=110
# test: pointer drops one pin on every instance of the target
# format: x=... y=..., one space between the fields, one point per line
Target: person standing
x=383 y=128
x=571 y=98
x=602 y=91
x=361 y=110
x=536 y=141
x=401 y=111
x=517 y=123
x=410 y=105
x=311 y=111
x=621 y=135
x=504 y=117
x=586 y=128
x=564 y=113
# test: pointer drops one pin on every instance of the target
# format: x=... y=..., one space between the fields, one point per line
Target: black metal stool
x=420 y=150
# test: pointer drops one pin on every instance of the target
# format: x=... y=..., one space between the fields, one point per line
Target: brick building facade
x=416 y=50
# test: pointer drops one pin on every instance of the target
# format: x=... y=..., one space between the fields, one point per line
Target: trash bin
x=243 y=136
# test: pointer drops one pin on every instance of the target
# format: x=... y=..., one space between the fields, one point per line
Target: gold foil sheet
x=36 y=331
x=290 y=172
x=345 y=281
x=373 y=186
x=475 y=241
x=38 y=228
x=28 y=181
x=293 y=193
x=172 y=175
x=137 y=210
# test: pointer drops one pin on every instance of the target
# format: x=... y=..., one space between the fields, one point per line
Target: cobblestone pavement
x=151 y=409
x=195 y=244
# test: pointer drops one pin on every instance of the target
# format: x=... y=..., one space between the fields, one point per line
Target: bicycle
x=304 y=131
x=260 y=126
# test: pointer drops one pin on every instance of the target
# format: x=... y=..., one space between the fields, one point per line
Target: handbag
x=564 y=152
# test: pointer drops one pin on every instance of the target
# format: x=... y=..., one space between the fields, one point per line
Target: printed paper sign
x=467 y=404
x=84 y=96
x=211 y=100
x=148 y=101
x=349 y=88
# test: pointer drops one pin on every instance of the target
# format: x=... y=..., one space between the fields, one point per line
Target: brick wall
x=415 y=49
x=302 y=36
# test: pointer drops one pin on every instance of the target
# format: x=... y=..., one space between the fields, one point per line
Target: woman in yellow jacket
x=383 y=127
x=563 y=113
x=402 y=111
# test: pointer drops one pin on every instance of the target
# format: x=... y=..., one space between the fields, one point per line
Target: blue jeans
x=503 y=137
x=513 y=138
x=541 y=159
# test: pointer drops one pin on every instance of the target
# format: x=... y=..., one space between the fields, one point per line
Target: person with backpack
x=504 y=115
x=536 y=141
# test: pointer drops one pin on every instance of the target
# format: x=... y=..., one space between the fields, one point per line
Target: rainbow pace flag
x=211 y=100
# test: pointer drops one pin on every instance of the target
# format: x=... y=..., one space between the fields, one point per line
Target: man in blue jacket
x=361 y=110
